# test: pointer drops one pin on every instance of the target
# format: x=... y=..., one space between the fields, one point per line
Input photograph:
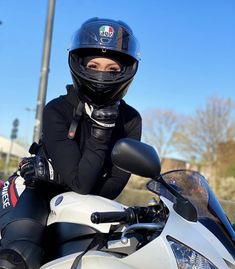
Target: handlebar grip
x=126 y=216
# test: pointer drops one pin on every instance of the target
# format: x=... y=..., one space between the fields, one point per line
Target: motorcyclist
x=79 y=132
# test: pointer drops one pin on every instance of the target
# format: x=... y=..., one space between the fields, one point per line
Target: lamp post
x=44 y=71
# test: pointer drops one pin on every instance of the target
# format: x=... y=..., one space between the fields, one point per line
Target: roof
x=17 y=150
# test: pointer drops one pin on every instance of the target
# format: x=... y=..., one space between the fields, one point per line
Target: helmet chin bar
x=99 y=99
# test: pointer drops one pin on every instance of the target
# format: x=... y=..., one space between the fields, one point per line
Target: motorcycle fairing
x=194 y=187
x=157 y=254
x=199 y=238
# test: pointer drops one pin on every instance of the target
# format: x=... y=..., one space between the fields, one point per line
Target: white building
x=17 y=151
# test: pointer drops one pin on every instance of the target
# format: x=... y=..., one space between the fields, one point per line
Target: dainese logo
x=106 y=31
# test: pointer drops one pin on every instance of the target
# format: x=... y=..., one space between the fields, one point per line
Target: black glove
x=36 y=168
x=103 y=119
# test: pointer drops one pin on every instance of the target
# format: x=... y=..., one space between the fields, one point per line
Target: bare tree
x=201 y=134
x=159 y=127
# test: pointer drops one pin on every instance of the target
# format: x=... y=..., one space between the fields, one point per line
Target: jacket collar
x=72 y=95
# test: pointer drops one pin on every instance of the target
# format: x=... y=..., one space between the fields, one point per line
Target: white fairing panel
x=77 y=208
x=157 y=254
x=196 y=236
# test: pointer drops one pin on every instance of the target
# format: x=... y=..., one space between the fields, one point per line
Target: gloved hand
x=36 y=168
x=103 y=119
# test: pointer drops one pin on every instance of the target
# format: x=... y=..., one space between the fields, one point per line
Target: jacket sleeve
x=114 y=183
x=77 y=171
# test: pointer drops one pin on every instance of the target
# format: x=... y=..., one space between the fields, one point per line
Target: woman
x=79 y=132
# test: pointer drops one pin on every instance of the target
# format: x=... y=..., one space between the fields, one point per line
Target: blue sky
x=187 y=51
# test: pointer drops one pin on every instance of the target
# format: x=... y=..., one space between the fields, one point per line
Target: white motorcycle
x=182 y=227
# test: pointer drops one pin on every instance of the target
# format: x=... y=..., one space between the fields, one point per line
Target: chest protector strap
x=76 y=117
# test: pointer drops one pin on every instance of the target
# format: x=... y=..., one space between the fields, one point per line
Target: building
x=16 y=151
x=172 y=164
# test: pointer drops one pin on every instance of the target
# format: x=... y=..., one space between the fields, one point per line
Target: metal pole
x=44 y=71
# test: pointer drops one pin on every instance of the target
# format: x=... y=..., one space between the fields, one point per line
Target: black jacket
x=84 y=163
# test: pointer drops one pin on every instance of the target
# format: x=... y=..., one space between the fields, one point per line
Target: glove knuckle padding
x=104 y=120
x=36 y=168
x=40 y=167
x=108 y=113
x=27 y=168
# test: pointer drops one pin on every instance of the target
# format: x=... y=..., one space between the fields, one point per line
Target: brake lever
x=138 y=226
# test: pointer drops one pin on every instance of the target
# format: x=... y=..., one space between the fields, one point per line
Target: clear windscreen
x=194 y=187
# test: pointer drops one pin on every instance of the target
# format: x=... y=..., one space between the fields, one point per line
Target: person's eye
x=114 y=69
x=92 y=66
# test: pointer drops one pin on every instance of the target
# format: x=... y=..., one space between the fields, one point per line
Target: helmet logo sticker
x=106 y=31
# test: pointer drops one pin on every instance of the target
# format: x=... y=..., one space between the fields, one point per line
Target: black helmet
x=103 y=38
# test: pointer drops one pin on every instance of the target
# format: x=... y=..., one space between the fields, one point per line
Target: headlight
x=188 y=258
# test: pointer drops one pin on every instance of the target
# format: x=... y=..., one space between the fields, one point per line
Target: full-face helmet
x=109 y=39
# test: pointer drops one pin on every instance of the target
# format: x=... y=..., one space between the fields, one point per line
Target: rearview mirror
x=136 y=157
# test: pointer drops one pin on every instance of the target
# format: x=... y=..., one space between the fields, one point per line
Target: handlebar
x=127 y=216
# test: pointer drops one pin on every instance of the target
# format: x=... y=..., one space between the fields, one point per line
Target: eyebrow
x=108 y=64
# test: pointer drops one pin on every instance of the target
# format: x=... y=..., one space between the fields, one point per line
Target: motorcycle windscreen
x=194 y=187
